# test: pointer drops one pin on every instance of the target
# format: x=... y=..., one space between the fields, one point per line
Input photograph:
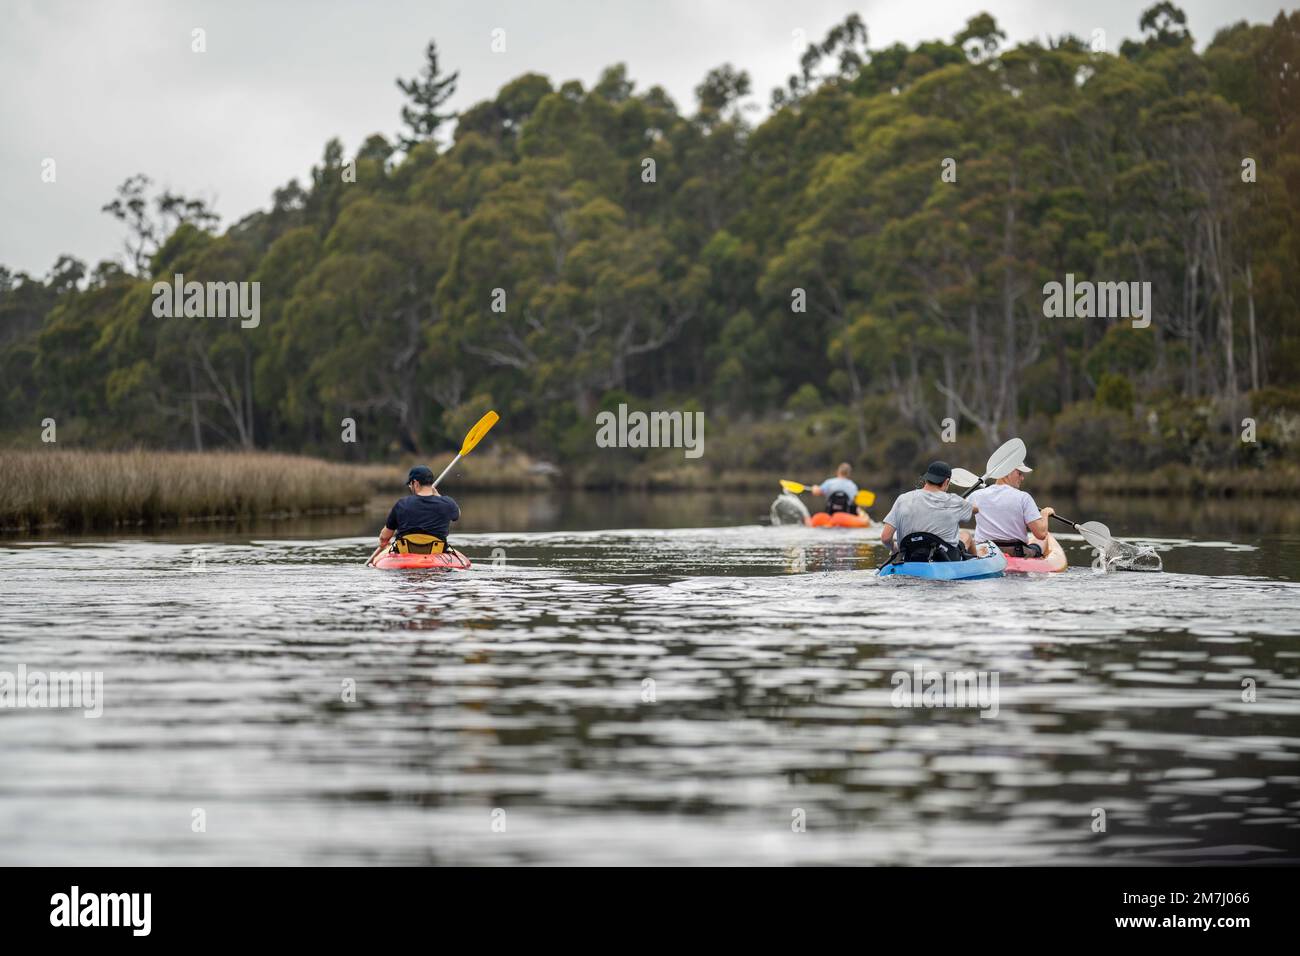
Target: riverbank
x=1180 y=482
x=95 y=491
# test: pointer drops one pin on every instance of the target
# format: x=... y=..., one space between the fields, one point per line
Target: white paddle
x=1000 y=464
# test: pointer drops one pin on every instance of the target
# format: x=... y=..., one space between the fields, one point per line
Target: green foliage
x=1122 y=350
x=835 y=282
x=1091 y=439
x=1115 y=392
x=805 y=401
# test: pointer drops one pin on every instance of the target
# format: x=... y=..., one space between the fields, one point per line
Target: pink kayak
x=447 y=561
x=1053 y=560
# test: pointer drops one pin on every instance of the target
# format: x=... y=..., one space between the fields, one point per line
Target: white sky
x=108 y=89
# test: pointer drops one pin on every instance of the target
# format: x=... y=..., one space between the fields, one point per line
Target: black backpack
x=924 y=546
x=1020 y=549
x=838 y=501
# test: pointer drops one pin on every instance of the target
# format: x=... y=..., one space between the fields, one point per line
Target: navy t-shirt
x=423 y=514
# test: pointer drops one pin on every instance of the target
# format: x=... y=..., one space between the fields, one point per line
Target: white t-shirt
x=937 y=512
x=1004 y=514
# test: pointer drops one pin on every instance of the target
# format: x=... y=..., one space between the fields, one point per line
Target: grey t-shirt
x=937 y=512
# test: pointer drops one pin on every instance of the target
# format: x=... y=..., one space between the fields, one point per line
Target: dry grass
x=78 y=490
x=489 y=469
x=86 y=490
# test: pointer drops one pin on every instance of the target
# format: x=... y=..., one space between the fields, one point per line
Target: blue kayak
x=970 y=570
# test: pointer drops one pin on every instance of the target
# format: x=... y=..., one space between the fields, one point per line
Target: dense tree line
x=866 y=262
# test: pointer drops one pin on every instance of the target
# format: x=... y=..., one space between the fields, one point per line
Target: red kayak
x=1052 y=561
x=447 y=561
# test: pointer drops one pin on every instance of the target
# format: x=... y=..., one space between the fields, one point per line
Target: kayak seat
x=419 y=544
x=1020 y=549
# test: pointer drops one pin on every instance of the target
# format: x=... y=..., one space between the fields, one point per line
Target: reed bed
x=84 y=490
x=92 y=490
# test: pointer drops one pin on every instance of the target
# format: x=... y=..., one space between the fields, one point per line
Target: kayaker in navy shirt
x=421 y=521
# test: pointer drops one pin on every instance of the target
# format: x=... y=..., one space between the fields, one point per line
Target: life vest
x=419 y=544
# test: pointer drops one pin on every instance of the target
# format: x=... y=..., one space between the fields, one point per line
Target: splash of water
x=1128 y=557
x=788 y=509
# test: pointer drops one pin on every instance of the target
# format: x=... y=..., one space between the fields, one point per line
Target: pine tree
x=427 y=93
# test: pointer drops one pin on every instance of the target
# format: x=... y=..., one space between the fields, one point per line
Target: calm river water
x=691 y=694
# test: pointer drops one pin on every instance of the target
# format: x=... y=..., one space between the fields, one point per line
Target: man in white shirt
x=1008 y=515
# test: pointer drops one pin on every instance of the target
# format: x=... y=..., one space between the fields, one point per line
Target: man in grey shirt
x=930 y=508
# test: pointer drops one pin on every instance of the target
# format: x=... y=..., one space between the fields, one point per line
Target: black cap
x=421 y=473
x=937 y=473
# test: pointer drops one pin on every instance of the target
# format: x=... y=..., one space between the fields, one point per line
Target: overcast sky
x=108 y=89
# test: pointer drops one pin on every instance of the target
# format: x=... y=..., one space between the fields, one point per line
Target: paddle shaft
x=1111 y=542
x=1065 y=520
x=437 y=481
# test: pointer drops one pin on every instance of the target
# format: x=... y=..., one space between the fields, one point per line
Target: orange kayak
x=841 y=519
x=447 y=561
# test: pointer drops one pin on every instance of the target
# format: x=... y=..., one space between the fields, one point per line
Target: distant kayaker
x=933 y=510
x=1008 y=516
x=420 y=522
x=840 y=491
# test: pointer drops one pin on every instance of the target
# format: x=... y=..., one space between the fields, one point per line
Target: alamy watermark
x=1100 y=300
x=75 y=908
x=54 y=690
x=651 y=430
x=925 y=689
x=211 y=300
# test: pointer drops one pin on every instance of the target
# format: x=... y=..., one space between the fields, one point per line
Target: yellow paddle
x=481 y=428
x=864 y=499
x=473 y=438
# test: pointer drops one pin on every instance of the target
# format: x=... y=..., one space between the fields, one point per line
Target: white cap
x=1023 y=467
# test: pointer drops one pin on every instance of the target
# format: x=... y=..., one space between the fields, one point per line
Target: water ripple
x=683 y=696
